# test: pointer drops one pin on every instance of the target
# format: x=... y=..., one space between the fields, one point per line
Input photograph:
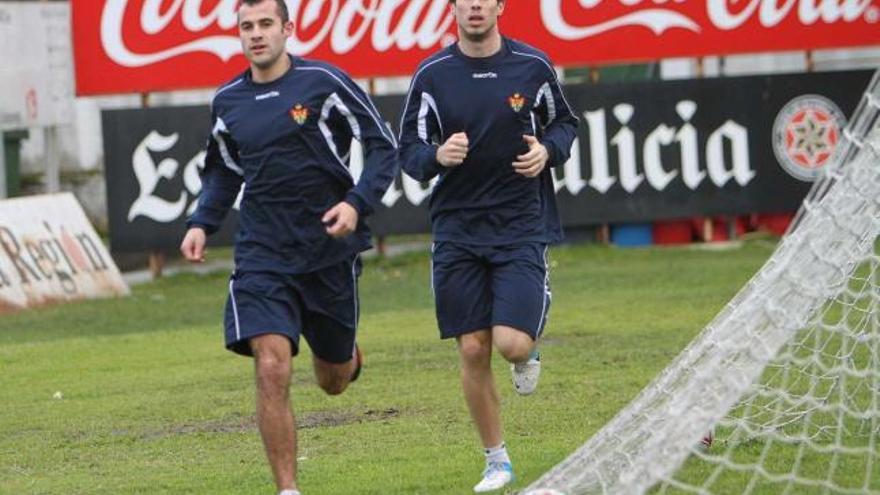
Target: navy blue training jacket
x=289 y=142
x=495 y=101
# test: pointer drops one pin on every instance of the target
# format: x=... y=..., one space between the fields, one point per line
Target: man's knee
x=272 y=362
x=333 y=378
x=272 y=370
x=515 y=353
x=475 y=348
x=514 y=346
x=334 y=385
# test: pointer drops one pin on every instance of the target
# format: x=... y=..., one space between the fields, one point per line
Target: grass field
x=151 y=403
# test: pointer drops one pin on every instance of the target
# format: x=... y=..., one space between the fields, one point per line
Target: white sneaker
x=496 y=476
x=525 y=374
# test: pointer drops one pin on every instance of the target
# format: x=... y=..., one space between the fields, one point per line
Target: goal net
x=784 y=384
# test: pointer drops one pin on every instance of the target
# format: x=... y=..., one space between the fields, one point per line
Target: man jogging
x=487 y=115
x=283 y=128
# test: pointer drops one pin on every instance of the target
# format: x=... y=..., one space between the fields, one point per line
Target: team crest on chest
x=517 y=101
x=299 y=114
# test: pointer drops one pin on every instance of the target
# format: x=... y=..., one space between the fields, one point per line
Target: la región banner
x=124 y=46
x=49 y=253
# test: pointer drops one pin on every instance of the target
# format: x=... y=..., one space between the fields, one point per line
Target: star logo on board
x=805 y=134
x=810 y=137
x=299 y=114
x=517 y=102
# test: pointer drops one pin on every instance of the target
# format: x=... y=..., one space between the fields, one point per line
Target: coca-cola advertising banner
x=645 y=151
x=124 y=46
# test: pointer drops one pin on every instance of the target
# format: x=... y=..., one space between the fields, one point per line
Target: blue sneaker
x=496 y=476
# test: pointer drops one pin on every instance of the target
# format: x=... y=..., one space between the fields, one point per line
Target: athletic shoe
x=525 y=374
x=496 y=476
x=358 y=356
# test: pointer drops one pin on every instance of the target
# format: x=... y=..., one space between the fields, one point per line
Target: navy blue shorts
x=321 y=306
x=477 y=287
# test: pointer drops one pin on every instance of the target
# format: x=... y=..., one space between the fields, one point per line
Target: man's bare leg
x=333 y=378
x=272 y=362
x=478 y=384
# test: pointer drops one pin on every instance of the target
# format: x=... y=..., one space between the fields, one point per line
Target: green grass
x=153 y=404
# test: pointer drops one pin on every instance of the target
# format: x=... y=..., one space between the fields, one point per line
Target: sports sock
x=289 y=492
x=497 y=454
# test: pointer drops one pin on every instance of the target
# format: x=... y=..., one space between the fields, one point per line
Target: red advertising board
x=123 y=46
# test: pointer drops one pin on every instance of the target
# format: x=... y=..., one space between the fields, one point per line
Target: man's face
x=262 y=33
x=477 y=18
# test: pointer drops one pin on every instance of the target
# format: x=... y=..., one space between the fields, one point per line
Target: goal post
x=786 y=376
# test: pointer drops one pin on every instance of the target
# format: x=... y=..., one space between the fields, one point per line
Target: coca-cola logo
x=721 y=14
x=343 y=24
x=771 y=13
x=658 y=20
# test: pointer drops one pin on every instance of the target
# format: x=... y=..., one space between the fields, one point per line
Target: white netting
x=787 y=375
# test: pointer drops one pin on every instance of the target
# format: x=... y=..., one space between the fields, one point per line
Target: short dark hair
x=280 y=6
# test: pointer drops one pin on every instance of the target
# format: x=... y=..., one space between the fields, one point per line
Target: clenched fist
x=533 y=162
x=453 y=152
x=341 y=220
x=193 y=245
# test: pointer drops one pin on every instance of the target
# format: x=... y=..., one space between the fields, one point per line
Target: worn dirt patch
x=243 y=424
x=338 y=418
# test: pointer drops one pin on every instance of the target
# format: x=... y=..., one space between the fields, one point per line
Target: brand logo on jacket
x=266 y=96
